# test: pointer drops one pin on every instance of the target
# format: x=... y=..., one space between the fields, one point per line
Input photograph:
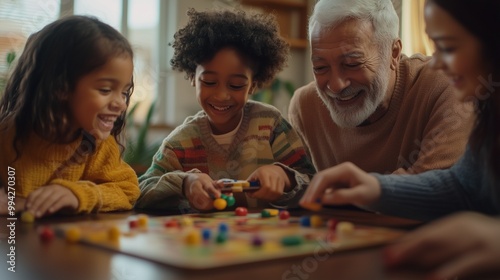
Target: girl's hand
x=273 y=182
x=197 y=187
x=462 y=245
x=49 y=199
x=342 y=184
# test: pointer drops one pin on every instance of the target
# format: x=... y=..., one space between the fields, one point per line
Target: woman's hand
x=463 y=245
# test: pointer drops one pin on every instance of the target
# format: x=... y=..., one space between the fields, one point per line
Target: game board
x=157 y=241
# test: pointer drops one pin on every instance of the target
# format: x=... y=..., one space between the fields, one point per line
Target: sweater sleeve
x=108 y=184
x=290 y=154
x=436 y=193
x=161 y=185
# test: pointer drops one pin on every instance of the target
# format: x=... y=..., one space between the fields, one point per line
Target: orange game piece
x=114 y=233
x=73 y=234
x=316 y=221
x=313 y=206
x=220 y=204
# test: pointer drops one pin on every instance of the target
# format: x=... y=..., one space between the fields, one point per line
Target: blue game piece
x=205 y=234
x=305 y=221
x=223 y=228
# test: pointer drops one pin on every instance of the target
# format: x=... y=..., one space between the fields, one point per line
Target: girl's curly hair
x=255 y=36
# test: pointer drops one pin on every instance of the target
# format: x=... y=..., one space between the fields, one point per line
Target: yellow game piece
x=245 y=184
x=27 y=217
x=142 y=220
x=313 y=206
x=187 y=221
x=345 y=229
x=316 y=221
x=220 y=204
x=73 y=234
x=193 y=237
x=272 y=212
x=114 y=233
x=237 y=189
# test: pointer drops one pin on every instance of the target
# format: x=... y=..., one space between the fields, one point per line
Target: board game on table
x=211 y=240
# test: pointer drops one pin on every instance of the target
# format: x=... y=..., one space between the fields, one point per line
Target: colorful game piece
x=114 y=233
x=133 y=224
x=316 y=221
x=187 y=221
x=257 y=241
x=272 y=212
x=292 y=240
x=193 y=237
x=345 y=229
x=221 y=238
x=332 y=224
x=305 y=221
x=46 y=234
x=265 y=214
x=313 y=206
x=230 y=201
x=171 y=223
x=284 y=215
x=73 y=234
x=206 y=234
x=224 y=196
x=220 y=204
x=27 y=217
x=241 y=211
x=231 y=185
x=142 y=220
x=223 y=227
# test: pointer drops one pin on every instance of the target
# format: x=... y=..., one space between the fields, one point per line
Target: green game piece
x=292 y=240
x=221 y=238
x=224 y=196
x=230 y=201
x=265 y=214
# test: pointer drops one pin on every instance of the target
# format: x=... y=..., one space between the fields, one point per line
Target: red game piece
x=171 y=223
x=332 y=224
x=133 y=224
x=46 y=234
x=241 y=211
x=284 y=215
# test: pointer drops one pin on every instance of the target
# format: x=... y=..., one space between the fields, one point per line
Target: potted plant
x=3 y=76
x=138 y=151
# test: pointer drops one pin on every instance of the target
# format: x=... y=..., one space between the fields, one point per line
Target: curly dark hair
x=255 y=36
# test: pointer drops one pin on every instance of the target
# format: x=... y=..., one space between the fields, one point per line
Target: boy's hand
x=273 y=182
x=198 y=188
x=50 y=199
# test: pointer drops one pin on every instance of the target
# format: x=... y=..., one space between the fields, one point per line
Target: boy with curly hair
x=227 y=55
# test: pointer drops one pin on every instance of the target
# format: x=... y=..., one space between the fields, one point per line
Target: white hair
x=381 y=13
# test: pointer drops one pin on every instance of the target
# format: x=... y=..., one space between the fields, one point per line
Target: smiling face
x=458 y=52
x=100 y=97
x=351 y=76
x=223 y=86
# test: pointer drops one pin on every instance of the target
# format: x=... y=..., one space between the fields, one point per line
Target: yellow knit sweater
x=101 y=181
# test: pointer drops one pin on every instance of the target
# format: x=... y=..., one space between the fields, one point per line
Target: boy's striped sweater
x=264 y=138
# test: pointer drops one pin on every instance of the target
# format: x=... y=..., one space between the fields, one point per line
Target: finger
x=356 y=195
x=49 y=201
x=59 y=204
x=40 y=196
x=333 y=177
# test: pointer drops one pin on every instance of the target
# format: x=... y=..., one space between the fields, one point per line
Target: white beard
x=354 y=115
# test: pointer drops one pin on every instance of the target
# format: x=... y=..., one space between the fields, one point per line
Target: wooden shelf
x=291 y=16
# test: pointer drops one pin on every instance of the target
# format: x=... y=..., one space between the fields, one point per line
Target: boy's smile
x=223 y=86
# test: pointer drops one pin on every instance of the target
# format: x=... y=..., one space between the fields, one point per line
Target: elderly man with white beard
x=369 y=103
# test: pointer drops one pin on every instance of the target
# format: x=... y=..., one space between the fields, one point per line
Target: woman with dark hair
x=466 y=37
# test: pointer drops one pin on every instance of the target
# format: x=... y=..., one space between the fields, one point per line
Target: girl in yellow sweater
x=60 y=118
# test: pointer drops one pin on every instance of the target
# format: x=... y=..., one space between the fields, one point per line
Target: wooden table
x=59 y=260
